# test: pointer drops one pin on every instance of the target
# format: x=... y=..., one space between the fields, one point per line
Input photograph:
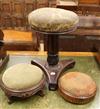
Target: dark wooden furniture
x=20 y=40
x=86 y=37
x=91 y=2
x=3 y=56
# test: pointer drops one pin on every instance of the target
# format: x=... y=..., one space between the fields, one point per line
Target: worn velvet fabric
x=52 y=19
x=22 y=76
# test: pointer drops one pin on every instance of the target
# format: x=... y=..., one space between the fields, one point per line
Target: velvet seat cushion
x=77 y=86
x=22 y=76
x=52 y=19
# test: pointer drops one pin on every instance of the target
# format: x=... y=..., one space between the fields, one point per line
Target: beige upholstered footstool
x=52 y=22
x=22 y=81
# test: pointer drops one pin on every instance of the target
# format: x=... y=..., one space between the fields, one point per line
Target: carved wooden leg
x=41 y=93
x=10 y=99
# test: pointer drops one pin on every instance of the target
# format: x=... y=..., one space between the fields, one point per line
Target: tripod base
x=53 y=71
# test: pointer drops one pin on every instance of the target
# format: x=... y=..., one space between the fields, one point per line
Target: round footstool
x=77 y=87
x=22 y=81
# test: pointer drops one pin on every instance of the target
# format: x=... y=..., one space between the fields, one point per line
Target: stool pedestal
x=53 y=67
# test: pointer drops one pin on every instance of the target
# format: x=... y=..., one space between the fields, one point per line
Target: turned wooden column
x=53 y=48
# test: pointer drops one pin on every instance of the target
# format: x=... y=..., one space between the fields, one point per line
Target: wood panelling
x=6 y=7
x=42 y=3
x=13 y=13
x=52 y=3
x=18 y=7
x=30 y=5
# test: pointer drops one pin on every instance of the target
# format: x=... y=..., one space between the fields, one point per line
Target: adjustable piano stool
x=53 y=22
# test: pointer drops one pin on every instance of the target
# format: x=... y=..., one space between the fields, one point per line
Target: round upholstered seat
x=52 y=19
x=22 y=81
x=22 y=76
x=77 y=87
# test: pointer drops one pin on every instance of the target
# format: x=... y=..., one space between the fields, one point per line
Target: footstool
x=22 y=80
x=77 y=87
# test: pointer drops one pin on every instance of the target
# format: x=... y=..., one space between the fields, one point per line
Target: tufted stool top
x=52 y=19
x=77 y=87
x=22 y=76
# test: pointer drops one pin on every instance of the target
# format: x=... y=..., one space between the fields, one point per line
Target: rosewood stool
x=53 y=22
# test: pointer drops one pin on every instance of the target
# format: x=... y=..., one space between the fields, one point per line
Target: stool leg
x=52 y=49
